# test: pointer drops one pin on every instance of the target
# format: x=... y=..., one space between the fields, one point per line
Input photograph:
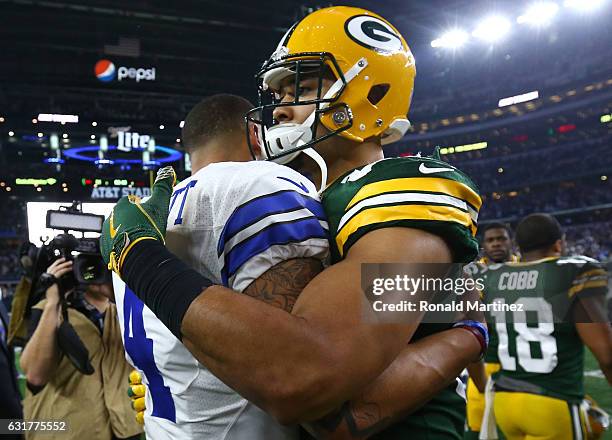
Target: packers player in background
x=497 y=248
x=539 y=389
x=497 y=244
x=341 y=81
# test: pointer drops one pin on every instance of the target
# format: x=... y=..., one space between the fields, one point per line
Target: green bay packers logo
x=373 y=33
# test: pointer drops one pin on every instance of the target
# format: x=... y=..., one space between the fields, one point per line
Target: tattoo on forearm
x=281 y=285
x=361 y=423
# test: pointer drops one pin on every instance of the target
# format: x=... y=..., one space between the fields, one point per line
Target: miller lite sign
x=127 y=140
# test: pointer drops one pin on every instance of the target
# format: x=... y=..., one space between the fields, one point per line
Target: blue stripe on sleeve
x=261 y=207
x=276 y=234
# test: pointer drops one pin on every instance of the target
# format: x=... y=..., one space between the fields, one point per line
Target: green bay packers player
x=497 y=247
x=341 y=83
x=497 y=244
x=384 y=194
x=546 y=308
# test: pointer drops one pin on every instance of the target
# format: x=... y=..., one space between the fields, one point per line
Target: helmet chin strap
x=311 y=152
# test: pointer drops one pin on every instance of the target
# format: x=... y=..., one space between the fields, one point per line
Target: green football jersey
x=530 y=308
x=415 y=192
x=491 y=354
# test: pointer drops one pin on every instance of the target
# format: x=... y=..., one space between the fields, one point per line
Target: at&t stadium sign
x=116 y=192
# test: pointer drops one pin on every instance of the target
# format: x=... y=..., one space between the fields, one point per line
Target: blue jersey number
x=140 y=349
x=184 y=190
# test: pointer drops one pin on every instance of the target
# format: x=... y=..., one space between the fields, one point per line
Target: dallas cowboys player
x=234 y=245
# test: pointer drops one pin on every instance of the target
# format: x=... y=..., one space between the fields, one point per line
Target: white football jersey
x=231 y=222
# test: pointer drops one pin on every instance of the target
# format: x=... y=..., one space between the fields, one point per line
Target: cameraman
x=93 y=406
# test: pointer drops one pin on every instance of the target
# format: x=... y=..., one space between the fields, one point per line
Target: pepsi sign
x=106 y=71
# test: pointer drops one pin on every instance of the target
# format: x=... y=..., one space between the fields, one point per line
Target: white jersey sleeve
x=244 y=218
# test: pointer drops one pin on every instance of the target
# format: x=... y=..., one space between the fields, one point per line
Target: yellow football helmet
x=373 y=69
x=596 y=419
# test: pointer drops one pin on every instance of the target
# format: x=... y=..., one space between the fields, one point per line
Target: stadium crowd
x=546 y=198
x=590 y=239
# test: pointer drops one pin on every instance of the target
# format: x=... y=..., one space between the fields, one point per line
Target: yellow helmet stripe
x=433 y=184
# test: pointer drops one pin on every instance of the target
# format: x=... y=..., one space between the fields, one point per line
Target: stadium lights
x=606 y=118
x=53 y=117
x=464 y=148
x=40 y=135
x=604 y=178
x=94 y=124
x=11 y=133
x=518 y=99
x=181 y=124
x=584 y=5
x=539 y=14
x=1 y=118
x=93 y=136
x=161 y=127
x=178 y=140
x=452 y=39
x=492 y=29
x=65 y=136
x=35 y=182
x=34 y=121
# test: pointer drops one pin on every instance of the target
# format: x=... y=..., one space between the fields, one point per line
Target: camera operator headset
x=74 y=360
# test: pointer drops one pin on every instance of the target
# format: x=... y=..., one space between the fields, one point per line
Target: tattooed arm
x=420 y=372
x=281 y=286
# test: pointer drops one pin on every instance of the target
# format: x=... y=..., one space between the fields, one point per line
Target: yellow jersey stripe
x=433 y=184
x=593 y=272
x=581 y=280
x=485 y=260
x=382 y=214
x=588 y=285
x=530 y=263
x=404 y=198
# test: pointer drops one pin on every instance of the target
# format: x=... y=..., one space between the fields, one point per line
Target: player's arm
x=419 y=372
x=478 y=374
x=281 y=286
x=589 y=311
x=595 y=331
x=302 y=366
x=476 y=370
x=297 y=367
x=598 y=337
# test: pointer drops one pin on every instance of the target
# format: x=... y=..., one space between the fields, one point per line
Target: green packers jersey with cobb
x=414 y=192
x=539 y=346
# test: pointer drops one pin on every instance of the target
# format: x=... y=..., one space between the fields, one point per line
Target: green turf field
x=597 y=387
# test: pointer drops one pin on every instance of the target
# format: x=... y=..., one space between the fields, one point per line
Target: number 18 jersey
x=533 y=318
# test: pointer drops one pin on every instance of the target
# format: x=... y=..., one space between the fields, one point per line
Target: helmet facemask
x=281 y=142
